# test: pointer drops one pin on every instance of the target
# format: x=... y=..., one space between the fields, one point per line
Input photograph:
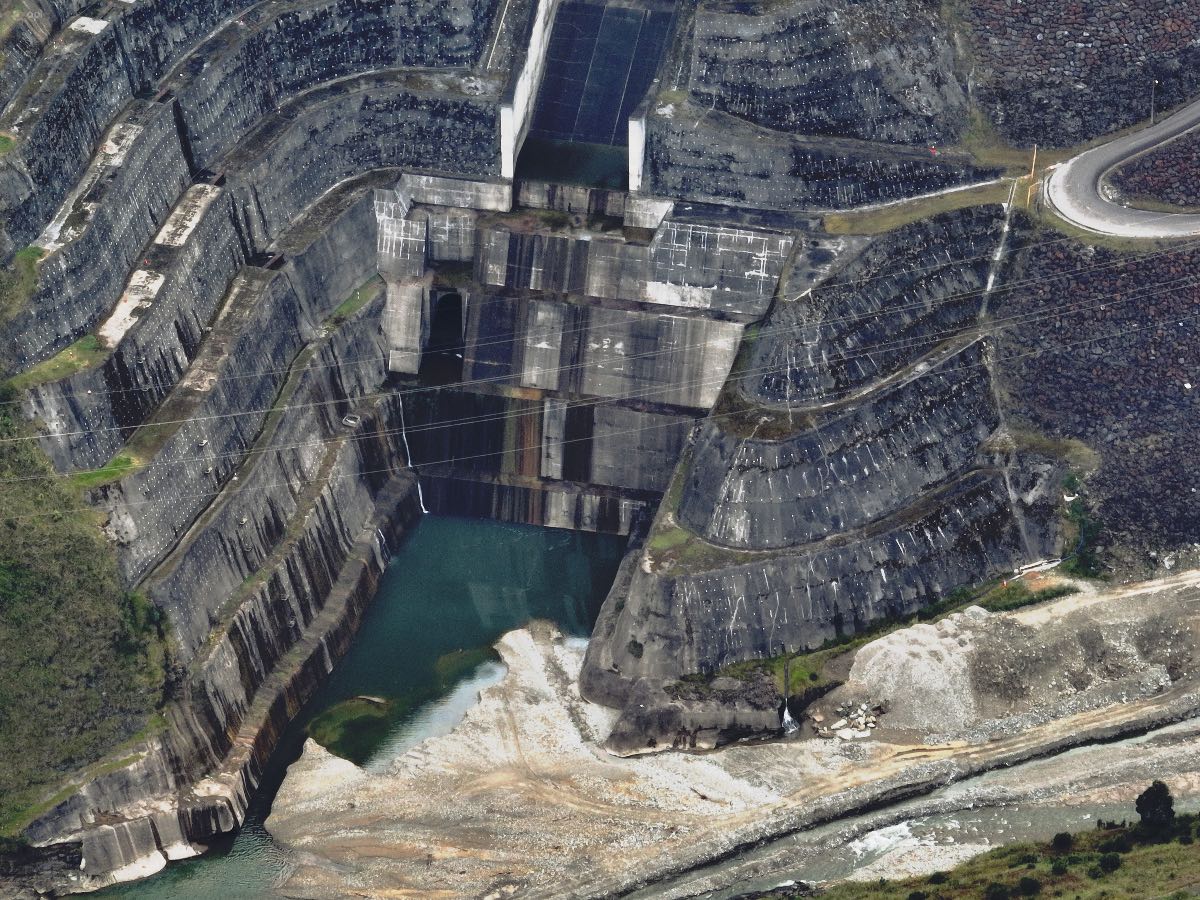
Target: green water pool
x=418 y=662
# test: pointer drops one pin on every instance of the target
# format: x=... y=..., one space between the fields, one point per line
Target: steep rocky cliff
x=859 y=466
x=278 y=301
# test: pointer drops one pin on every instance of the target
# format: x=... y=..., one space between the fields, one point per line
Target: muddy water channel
x=420 y=659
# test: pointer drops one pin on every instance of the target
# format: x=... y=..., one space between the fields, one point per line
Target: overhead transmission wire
x=499 y=379
x=810 y=404
x=221 y=493
x=507 y=337
x=224 y=491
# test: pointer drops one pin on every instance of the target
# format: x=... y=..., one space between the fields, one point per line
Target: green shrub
x=1110 y=862
x=1029 y=887
x=939 y=878
x=1122 y=843
x=996 y=891
x=1062 y=842
x=18 y=282
x=1059 y=867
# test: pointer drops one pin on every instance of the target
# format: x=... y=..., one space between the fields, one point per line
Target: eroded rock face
x=848 y=470
x=892 y=302
x=864 y=470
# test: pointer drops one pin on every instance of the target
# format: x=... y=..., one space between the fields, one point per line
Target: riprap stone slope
x=807 y=104
x=868 y=495
x=1060 y=74
x=849 y=69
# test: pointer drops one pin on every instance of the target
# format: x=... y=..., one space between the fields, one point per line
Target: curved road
x=1073 y=188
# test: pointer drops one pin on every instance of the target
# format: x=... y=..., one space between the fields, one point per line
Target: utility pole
x=1153 y=88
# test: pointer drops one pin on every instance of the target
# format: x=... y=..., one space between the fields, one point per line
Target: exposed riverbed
x=521 y=800
x=423 y=653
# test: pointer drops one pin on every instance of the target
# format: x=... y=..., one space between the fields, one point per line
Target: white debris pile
x=855 y=720
x=921 y=674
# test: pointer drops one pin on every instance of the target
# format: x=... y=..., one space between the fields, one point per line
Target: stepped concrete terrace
x=295 y=278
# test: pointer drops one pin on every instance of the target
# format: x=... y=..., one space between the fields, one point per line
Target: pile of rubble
x=855 y=721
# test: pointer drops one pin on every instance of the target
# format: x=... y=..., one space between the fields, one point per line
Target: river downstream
x=419 y=660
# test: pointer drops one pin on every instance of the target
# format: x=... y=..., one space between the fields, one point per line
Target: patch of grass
x=880 y=219
x=1154 y=865
x=12 y=12
x=1082 y=530
x=18 y=282
x=6 y=144
x=359 y=297
x=83 y=659
x=988 y=148
x=83 y=354
x=1048 y=219
x=115 y=470
x=667 y=539
x=1074 y=452
x=1145 y=201
x=1017 y=593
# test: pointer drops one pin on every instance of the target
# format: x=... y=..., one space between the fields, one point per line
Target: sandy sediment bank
x=521 y=801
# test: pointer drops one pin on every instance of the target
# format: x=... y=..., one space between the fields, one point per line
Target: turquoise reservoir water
x=419 y=660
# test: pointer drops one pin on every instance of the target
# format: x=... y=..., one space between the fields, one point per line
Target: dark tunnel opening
x=442 y=361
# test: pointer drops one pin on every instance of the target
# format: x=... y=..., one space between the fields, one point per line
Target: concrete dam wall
x=286 y=293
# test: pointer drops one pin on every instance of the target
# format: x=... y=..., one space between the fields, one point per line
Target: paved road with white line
x=1074 y=189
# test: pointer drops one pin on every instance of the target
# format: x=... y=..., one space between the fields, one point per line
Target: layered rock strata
x=247 y=72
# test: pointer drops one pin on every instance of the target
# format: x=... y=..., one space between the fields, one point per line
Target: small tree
x=1062 y=842
x=1156 y=806
x=1110 y=862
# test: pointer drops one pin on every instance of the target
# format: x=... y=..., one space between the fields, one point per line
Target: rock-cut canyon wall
x=281 y=301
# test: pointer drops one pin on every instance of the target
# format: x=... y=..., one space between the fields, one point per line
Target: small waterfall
x=383 y=544
x=408 y=456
